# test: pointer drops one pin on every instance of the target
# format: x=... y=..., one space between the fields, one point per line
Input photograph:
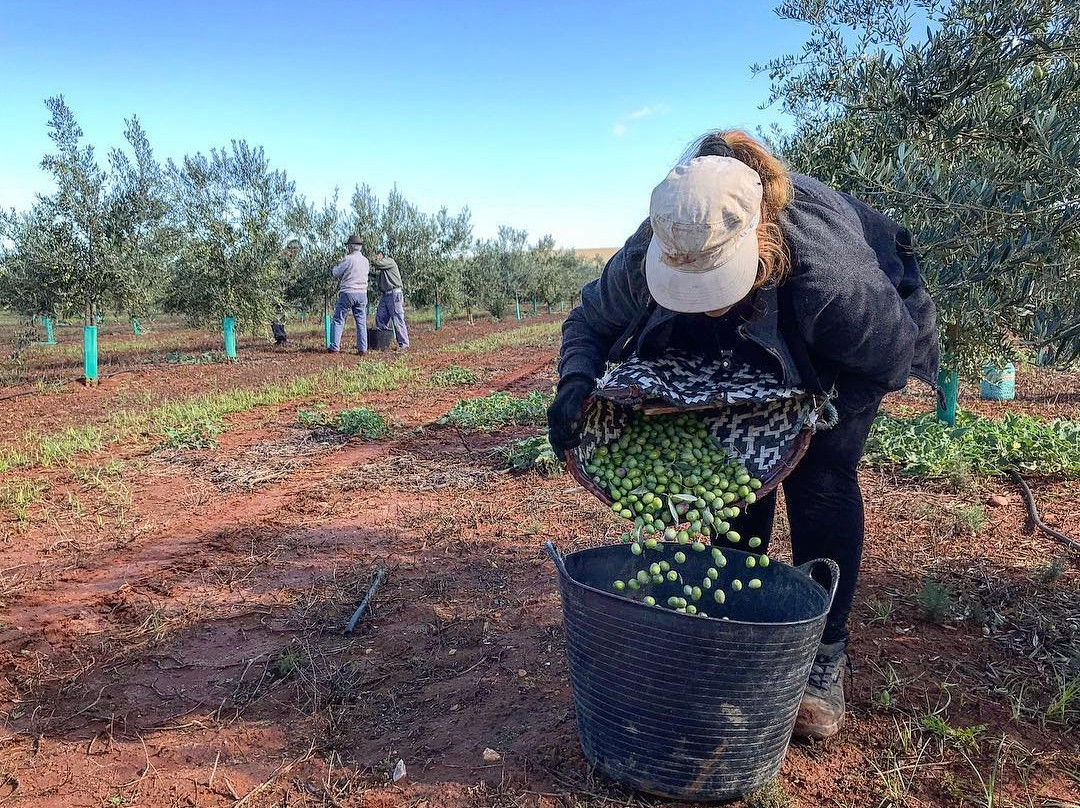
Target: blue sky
x=557 y=117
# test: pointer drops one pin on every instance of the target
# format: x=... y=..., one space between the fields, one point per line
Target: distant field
x=604 y=253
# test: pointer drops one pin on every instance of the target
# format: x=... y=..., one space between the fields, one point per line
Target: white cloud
x=645 y=112
x=622 y=128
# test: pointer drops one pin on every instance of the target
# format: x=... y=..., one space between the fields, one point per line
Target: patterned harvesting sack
x=750 y=413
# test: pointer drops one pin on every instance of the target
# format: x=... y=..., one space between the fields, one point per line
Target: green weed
x=201 y=433
x=497 y=410
x=52 y=449
x=49 y=450
x=970 y=518
x=205 y=358
x=975 y=446
x=935 y=600
x=531 y=453
x=536 y=334
x=770 y=795
x=314 y=419
x=20 y=496
x=1050 y=571
x=362 y=422
x=880 y=610
x=1066 y=701
x=963 y=737
x=11 y=458
x=454 y=375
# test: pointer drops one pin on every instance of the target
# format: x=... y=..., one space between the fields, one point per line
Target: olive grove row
x=208 y=237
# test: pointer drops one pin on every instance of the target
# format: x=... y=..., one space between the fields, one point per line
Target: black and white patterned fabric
x=751 y=413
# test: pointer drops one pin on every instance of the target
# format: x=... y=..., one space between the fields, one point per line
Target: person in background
x=391 y=297
x=741 y=256
x=352 y=272
x=289 y=261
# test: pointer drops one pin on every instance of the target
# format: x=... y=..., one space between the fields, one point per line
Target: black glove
x=564 y=414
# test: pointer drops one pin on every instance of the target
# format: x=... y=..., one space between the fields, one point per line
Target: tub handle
x=834 y=575
x=556 y=556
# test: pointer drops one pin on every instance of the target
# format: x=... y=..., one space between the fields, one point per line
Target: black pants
x=824 y=503
x=279 y=333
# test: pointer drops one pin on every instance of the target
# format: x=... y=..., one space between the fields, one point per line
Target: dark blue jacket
x=854 y=304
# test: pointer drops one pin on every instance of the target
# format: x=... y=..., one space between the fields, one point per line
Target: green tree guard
x=230 y=337
x=534 y=305
x=135 y=329
x=326 y=329
x=949 y=382
x=50 y=337
x=438 y=316
x=90 y=354
x=517 y=306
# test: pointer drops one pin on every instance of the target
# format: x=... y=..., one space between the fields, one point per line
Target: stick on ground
x=1033 y=512
x=378 y=579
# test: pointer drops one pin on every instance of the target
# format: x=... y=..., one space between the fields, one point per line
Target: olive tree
x=437 y=278
x=322 y=233
x=31 y=283
x=232 y=208
x=100 y=238
x=367 y=218
x=968 y=133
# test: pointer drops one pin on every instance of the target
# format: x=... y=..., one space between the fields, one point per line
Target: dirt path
x=140 y=384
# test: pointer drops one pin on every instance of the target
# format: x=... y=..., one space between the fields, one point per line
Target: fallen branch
x=378 y=579
x=1033 y=512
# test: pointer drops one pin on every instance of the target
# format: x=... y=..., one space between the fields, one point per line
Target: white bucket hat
x=704 y=254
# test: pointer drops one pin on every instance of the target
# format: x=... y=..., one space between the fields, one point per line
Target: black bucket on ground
x=379 y=339
x=683 y=706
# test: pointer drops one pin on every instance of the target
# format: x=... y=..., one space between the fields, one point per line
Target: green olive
x=754 y=542
x=719 y=596
x=649 y=600
x=755 y=583
x=736 y=584
x=763 y=561
x=619 y=586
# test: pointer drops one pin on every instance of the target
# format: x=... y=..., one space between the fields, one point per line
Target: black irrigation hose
x=1033 y=512
x=378 y=579
x=21 y=394
x=143 y=367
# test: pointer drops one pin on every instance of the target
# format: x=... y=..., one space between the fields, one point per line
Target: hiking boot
x=822 y=710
